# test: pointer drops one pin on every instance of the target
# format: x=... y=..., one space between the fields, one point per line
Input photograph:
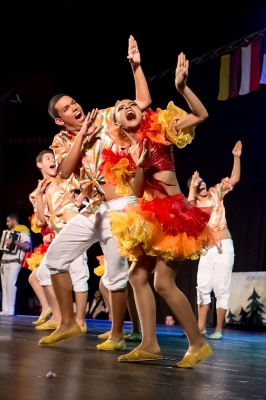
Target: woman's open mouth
x=130 y=115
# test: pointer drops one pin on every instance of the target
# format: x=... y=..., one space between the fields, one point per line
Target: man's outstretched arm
x=235 y=175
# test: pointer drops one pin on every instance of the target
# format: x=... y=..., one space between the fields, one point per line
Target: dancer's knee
x=161 y=286
x=79 y=273
x=43 y=275
x=31 y=278
x=81 y=286
x=137 y=277
x=222 y=299
x=203 y=298
x=115 y=280
x=115 y=277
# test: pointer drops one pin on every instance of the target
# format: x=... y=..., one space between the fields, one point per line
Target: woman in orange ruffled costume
x=33 y=263
x=163 y=225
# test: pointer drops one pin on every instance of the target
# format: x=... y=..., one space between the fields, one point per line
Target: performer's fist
x=237 y=150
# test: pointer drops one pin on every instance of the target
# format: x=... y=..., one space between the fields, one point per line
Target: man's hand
x=237 y=150
x=195 y=181
x=112 y=126
x=115 y=131
x=181 y=72
x=133 y=52
x=8 y=241
x=144 y=155
x=42 y=186
x=88 y=129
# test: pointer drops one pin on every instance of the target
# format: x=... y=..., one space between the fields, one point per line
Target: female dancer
x=33 y=263
x=165 y=226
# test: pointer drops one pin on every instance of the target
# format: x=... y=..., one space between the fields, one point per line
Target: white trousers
x=80 y=233
x=214 y=273
x=9 y=276
x=78 y=270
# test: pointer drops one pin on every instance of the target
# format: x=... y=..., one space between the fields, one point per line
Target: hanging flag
x=224 y=78
x=234 y=73
x=263 y=72
x=250 y=64
x=229 y=76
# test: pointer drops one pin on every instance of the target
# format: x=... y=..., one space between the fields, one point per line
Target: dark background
x=80 y=48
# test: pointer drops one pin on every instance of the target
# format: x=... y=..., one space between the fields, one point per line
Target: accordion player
x=10 y=248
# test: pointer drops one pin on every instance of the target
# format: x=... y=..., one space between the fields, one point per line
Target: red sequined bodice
x=161 y=158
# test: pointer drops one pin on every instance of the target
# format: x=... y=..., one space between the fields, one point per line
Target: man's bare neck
x=50 y=177
x=202 y=199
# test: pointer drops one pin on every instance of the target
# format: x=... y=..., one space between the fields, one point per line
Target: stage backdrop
x=247 y=303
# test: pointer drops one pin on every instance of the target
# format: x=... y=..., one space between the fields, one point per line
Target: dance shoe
x=139 y=356
x=104 y=335
x=203 y=333
x=55 y=337
x=216 y=336
x=84 y=328
x=189 y=360
x=133 y=337
x=43 y=317
x=110 y=345
x=4 y=313
x=47 y=326
x=107 y=334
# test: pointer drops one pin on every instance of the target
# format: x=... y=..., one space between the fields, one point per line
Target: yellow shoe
x=107 y=334
x=189 y=360
x=55 y=337
x=47 y=326
x=104 y=335
x=139 y=356
x=110 y=345
x=84 y=328
x=43 y=317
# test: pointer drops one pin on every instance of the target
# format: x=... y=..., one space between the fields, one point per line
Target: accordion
x=11 y=248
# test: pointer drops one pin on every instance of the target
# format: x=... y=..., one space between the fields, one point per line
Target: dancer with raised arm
x=79 y=152
x=54 y=204
x=163 y=225
x=215 y=268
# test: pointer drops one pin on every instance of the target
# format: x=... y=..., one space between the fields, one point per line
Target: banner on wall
x=247 y=302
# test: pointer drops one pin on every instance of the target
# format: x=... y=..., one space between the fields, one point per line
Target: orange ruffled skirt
x=36 y=257
x=168 y=227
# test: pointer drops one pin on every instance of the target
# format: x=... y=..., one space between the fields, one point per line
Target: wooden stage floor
x=237 y=370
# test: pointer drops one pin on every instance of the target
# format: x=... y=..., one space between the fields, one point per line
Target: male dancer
x=215 y=268
x=76 y=150
x=54 y=204
x=11 y=263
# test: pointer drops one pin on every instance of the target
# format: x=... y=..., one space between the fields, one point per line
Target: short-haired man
x=77 y=152
x=11 y=262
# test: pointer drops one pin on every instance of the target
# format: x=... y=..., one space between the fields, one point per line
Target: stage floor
x=237 y=370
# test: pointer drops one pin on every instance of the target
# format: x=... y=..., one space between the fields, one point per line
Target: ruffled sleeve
x=160 y=126
x=116 y=171
x=168 y=118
